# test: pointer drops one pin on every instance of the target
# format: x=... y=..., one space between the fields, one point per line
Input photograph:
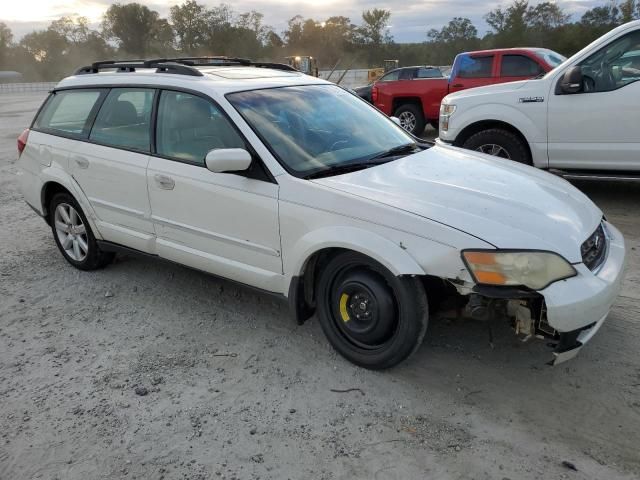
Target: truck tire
x=411 y=118
x=499 y=143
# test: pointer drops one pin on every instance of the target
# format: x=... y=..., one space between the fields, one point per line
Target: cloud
x=410 y=19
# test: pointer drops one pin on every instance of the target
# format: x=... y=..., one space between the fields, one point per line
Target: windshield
x=550 y=57
x=317 y=128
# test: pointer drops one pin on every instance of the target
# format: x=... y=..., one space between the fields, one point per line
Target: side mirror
x=572 y=81
x=223 y=160
x=396 y=120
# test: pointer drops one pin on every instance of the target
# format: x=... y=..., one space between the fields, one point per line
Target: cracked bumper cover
x=577 y=307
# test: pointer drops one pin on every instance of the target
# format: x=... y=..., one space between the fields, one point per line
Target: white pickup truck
x=582 y=118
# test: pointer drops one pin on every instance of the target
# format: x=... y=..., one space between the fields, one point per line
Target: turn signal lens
x=535 y=270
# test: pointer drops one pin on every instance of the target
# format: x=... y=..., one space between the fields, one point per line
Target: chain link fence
x=26 y=87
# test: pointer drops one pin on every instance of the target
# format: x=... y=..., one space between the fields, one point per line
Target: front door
x=223 y=223
x=597 y=128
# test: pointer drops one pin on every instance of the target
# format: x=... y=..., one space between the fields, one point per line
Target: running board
x=596 y=175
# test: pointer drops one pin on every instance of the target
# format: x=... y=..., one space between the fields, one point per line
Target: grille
x=594 y=249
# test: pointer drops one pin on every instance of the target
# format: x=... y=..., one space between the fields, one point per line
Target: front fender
x=531 y=125
x=391 y=255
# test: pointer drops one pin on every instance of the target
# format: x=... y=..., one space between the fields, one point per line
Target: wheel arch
x=481 y=125
x=399 y=101
x=56 y=181
x=316 y=248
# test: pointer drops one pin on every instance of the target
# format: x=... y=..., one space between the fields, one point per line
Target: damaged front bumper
x=570 y=311
x=577 y=307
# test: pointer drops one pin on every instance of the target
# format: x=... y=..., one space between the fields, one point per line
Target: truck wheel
x=499 y=143
x=370 y=316
x=73 y=235
x=411 y=118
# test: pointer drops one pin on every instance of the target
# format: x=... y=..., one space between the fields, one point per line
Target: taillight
x=374 y=94
x=22 y=141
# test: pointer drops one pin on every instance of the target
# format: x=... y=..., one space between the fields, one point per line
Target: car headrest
x=122 y=113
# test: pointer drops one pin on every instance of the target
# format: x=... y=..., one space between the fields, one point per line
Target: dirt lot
x=236 y=390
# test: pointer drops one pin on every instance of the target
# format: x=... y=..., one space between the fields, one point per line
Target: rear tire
x=370 y=316
x=73 y=235
x=500 y=143
x=411 y=118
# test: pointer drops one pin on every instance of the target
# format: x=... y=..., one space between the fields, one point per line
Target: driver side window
x=189 y=127
x=614 y=66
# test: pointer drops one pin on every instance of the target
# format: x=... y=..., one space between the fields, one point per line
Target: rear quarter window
x=69 y=112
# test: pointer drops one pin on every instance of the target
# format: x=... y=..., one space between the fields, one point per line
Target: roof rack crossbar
x=161 y=65
x=179 y=65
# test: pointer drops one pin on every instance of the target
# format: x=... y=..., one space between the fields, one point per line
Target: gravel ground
x=150 y=370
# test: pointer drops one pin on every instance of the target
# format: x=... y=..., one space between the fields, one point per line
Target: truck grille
x=594 y=249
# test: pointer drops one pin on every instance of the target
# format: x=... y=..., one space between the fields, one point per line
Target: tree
x=374 y=30
x=458 y=29
x=6 y=38
x=189 y=22
x=509 y=25
x=546 y=16
x=137 y=29
x=457 y=36
x=629 y=10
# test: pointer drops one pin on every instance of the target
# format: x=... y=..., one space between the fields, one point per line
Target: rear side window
x=190 y=126
x=428 y=73
x=519 y=66
x=475 y=67
x=391 y=76
x=407 y=74
x=124 y=119
x=69 y=112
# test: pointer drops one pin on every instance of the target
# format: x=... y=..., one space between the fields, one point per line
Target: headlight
x=446 y=110
x=535 y=270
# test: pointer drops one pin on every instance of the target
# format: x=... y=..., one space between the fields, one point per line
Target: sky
x=410 y=19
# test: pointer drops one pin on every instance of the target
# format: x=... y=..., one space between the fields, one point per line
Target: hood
x=497 y=88
x=506 y=204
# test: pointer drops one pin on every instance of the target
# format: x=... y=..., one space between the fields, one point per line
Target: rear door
x=224 y=223
x=472 y=71
x=514 y=67
x=111 y=167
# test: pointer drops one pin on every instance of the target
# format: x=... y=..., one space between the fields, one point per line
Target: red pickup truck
x=416 y=101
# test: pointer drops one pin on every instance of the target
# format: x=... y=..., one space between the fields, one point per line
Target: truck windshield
x=313 y=129
x=550 y=57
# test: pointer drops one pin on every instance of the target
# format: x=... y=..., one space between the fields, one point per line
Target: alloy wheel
x=71 y=232
x=495 y=150
x=407 y=121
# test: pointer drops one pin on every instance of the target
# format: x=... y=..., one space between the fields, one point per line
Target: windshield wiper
x=399 y=150
x=340 y=169
x=378 y=159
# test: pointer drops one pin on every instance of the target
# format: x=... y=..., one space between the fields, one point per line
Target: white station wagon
x=293 y=185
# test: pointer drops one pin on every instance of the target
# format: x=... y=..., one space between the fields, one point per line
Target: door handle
x=164 y=182
x=81 y=162
x=458 y=85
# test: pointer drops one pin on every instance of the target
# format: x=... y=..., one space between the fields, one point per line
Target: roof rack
x=181 y=65
x=161 y=65
x=217 y=61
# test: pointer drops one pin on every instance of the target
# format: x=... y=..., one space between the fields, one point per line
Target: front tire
x=411 y=118
x=499 y=143
x=74 y=236
x=370 y=316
